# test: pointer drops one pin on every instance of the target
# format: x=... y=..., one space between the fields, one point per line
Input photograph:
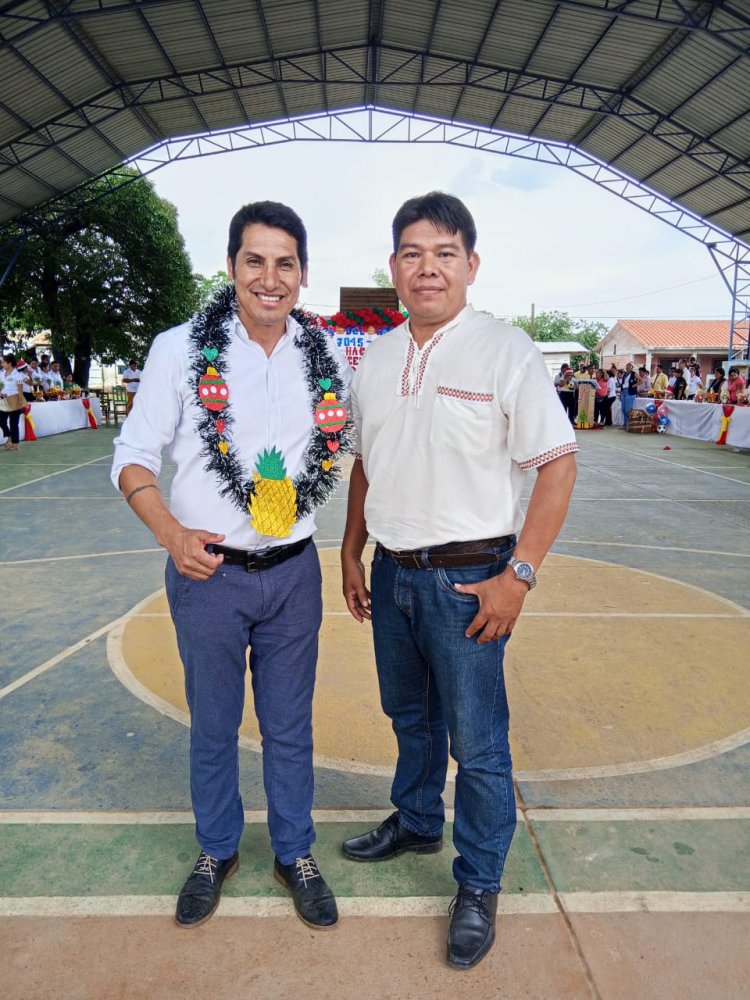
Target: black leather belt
x=259 y=559
x=452 y=554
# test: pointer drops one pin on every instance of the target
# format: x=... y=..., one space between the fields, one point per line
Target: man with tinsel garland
x=249 y=397
x=450 y=410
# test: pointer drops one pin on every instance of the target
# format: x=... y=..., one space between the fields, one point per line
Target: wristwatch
x=524 y=571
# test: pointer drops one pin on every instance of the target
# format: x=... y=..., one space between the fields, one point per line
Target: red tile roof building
x=665 y=341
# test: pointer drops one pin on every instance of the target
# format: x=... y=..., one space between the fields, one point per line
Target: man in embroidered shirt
x=450 y=409
x=239 y=385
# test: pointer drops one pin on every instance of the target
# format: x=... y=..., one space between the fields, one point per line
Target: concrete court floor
x=629 y=679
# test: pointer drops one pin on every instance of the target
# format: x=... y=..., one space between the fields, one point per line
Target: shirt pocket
x=462 y=420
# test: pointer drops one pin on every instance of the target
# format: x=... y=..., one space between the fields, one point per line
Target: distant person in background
x=694 y=383
x=735 y=385
x=628 y=388
x=601 y=402
x=34 y=374
x=131 y=379
x=56 y=379
x=560 y=376
x=44 y=376
x=568 y=392
x=659 y=384
x=24 y=371
x=718 y=383
x=680 y=385
x=611 y=396
x=11 y=389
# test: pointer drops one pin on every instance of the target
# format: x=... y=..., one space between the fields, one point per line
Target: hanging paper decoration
x=29 y=427
x=330 y=415
x=727 y=410
x=213 y=391
x=89 y=413
x=273 y=502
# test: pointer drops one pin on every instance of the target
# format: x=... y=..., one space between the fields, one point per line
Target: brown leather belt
x=453 y=554
x=259 y=559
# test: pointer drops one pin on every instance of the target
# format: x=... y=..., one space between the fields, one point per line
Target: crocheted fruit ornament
x=273 y=504
x=330 y=415
x=213 y=391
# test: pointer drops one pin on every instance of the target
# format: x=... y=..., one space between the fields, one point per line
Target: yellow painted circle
x=608 y=666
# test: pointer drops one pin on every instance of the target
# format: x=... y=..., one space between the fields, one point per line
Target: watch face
x=524 y=570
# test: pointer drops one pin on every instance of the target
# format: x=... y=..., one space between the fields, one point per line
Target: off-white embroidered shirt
x=446 y=433
x=271 y=406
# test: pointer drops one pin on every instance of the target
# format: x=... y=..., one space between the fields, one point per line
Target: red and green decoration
x=367 y=319
x=330 y=415
x=273 y=500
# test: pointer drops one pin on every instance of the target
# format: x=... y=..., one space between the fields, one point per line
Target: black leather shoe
x=313 y=900
x=201 y=893
x=472 y=930
x=388 y=841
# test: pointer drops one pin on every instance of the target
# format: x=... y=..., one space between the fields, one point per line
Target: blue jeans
x=277 y=612
x=438 y=686
x=627 y=402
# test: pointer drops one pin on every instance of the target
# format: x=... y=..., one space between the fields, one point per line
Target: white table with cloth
x=60 y=415
x=702 y=421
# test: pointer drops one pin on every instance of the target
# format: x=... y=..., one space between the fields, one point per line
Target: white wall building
x=558 y=351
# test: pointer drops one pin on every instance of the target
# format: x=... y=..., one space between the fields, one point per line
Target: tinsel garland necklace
x=272 y=499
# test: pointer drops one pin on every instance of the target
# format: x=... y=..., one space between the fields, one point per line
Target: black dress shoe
x=388 y=841
x=201 y=893
x=472 y=930
x=313 y=900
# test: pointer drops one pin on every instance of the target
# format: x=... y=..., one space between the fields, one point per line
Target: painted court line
x=71 y=499
x=649 y=815
x=233 y=906
x=653 y=548
x=376 y=906
x=656 y=500
x=70 y=468
x=83 y=555
x=49 y=664
x=160 y=817
x=656 y=902
x=531 y=614
x=165 y=817
x=666 y=461
x=122 y=671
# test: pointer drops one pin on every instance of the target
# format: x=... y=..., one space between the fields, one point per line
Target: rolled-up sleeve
x=157 y=410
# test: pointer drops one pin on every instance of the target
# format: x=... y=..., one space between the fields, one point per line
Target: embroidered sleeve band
x=549 y=456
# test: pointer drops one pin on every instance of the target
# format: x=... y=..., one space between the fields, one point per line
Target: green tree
x=381 y=278
x=559 y=326
x=104 y=278
x=207 y=287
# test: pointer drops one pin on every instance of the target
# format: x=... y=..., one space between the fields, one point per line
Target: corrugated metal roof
x=660 y=89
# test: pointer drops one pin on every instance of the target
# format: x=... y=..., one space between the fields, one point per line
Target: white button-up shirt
x=271 y=406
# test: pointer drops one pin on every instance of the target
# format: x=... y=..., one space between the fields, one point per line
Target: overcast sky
x=546 y=235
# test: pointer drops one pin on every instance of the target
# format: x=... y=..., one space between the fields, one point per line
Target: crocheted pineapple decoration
x=273 y=503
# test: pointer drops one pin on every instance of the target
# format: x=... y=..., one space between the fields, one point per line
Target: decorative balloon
x=651 y=409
